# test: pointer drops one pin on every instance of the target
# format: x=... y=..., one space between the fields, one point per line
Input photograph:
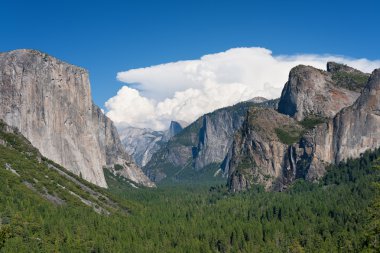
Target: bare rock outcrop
x=142 y=143
x=203 y=143
x=260 y=154
x=310 y=91
x=357 y=128
x=329 y=126
x=50 y=102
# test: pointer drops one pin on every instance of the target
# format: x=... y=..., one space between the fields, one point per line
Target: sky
x=179 y=59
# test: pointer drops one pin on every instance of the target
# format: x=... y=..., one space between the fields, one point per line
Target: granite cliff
x=259 y=153
x=200 y=148
x=142 y=143
x=310 y=91
x=50 y=102
x=328 y=121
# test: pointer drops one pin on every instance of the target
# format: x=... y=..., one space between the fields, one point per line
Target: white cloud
x=185 y=90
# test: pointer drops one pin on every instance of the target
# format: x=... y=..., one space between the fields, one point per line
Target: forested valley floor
x=338 y=214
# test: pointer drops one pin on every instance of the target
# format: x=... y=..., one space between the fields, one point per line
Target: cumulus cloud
x=185 y=90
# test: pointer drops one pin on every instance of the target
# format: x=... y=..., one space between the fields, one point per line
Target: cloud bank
x=185 y=90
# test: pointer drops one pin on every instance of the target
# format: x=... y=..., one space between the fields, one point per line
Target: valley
x=195 y=126
x=295 y=174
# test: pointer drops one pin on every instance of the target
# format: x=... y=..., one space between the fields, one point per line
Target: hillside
x=338 y=214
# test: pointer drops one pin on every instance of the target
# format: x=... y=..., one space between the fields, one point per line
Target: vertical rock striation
x=142 y=143
x=310 y=91
x=259 y=153
x=357 y=128
x=329 y=121
x=203 y=143
x=50 y=102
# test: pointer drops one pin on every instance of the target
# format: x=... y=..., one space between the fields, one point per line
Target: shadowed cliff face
x=202 y=144
x=333 y=127
x=260 y=153
x=50 y=102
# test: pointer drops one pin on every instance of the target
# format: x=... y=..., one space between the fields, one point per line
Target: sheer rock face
x=350 y=133
x=50 y=102
x=142 y=143
x=175 y=128
x=357 y=128
x=215 y=137
x=310 y=91
x=218 y=129
x=257 y=157
x=203 y=143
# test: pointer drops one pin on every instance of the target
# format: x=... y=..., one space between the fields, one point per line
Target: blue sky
x=106 y=37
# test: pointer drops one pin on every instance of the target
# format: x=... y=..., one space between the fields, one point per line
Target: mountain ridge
x=202 y=144
x=142 y=143
x=332 y=131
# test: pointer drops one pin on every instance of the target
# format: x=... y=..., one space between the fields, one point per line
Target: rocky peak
x=257 y=100
x=370 y=97
x=175 y=128
x=308 y=146
x=50 y=102
x=347 y=77
x=141 y=143
x=310 y=91
x=333 y=67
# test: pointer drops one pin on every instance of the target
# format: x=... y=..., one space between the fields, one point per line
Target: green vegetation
x=338 y=214
x=291 y=134
x=248 y=168
x=288 y=136
x=187 y=175
x=246 y=163
x=373 y=222
x=118 y=167
x=311 y=121
x=209 y=175
x=352 y=81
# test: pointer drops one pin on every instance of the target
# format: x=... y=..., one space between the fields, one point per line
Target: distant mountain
x=142 y=143
x=175 y=128
x=257 y=100
x=50 y=102
x=324 y=117
x=198 y=150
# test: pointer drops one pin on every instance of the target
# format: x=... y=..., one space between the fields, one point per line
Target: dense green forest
x=37 y=213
